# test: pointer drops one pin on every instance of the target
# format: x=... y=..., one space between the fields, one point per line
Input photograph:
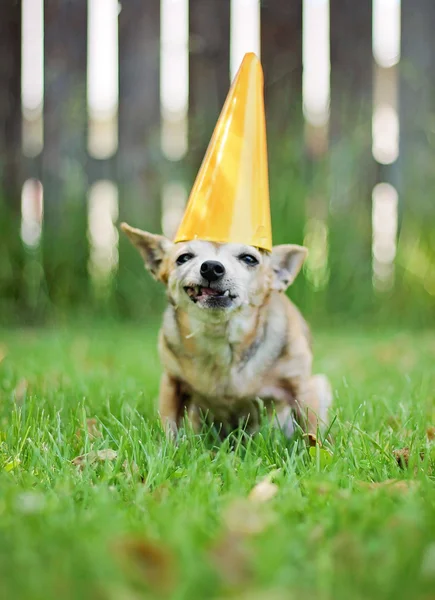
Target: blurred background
x=106 y=110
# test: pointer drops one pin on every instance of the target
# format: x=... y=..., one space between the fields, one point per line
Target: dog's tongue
x=206 y=291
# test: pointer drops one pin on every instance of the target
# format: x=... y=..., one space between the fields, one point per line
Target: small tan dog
x=231 y=340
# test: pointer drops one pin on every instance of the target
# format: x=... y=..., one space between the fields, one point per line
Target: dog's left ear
x=152 y=248
x=287 y=261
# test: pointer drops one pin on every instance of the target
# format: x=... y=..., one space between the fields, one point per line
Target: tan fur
x=218 y=364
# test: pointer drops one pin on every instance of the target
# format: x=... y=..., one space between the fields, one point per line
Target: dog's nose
x=212 y=270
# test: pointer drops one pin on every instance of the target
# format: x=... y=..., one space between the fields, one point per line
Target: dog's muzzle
x=209 y=296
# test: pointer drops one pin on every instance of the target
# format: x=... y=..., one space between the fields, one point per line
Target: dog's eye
x=248 y=259
x=183 y=258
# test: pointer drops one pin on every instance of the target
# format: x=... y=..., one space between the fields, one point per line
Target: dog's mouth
x=200 y=293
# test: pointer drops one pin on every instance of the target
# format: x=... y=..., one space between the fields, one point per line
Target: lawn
x=94 y=503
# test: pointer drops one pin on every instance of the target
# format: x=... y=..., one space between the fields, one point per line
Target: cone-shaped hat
x=229 y=201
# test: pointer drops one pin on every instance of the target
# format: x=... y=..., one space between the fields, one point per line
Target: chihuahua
x=232 y=345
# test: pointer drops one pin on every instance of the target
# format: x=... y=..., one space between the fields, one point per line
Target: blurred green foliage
x=327 y=194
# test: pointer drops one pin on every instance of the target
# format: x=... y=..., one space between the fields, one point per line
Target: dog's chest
x=211 y=370
x=215 y=366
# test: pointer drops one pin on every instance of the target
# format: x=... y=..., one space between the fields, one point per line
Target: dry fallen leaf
x=232 y=560
x=107 y=454
x=20 y=391
x=92 y=457
x=151 y=561
x=430 y=433
x=402 y=456
x=131 y=469
x=312 y=440
x=161 y=492
x=264 y=490
x=83 y=459
x=399 y=485
x=92 y=429
x=245 y=517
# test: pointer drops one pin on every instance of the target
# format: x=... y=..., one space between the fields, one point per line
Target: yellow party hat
x=229 y=201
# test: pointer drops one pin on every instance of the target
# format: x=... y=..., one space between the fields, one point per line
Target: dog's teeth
x=227 y=293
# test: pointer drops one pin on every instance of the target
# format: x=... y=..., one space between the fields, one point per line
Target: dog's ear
x=152 y=248
x=286 y=261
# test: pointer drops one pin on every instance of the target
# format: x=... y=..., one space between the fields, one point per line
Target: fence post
x=352 y=169
x=139 y=111
x=416 y=108
x=209 y=71
x=10 y=103
x=138 y=158
x=11 y=251
x=281 y=56
x=64 y=154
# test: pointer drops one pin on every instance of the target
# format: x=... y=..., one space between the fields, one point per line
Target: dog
x=232 y=344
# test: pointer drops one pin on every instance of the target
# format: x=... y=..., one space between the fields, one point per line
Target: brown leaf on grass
x=245 y=517
x=312 y=440
x=232 y=560
x=131 y=470
x=402 y=457
x=399 y=485
x=150 y=561
x=263 y=491
x=20 y=391
x=92 y=429
x=161 y=492
x=92 y=457
x=84 y=459
x=430 y=433
x=107 y=454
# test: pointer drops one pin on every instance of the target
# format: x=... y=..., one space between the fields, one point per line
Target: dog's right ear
x=287 y=261
x=152 y=248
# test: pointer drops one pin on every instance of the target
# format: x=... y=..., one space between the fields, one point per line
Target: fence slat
x=65 y=115
x=139 y=155
x=281 y=55
x=416 y=102
x=139 y=112
x=351 y=162
x=64 y=153
x=351 y=63
x=209 y=71
x=10 y=102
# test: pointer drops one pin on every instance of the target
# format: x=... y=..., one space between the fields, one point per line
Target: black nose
x=212 y=270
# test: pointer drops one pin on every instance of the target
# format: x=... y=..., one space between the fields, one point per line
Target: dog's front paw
x=325 y=397
x=171 y=430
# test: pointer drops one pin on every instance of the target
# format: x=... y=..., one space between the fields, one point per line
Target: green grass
x=160 y=521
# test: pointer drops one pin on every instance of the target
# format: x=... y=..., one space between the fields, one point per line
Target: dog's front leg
x=170 y=404
x=313 y=399
x=175 y=403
